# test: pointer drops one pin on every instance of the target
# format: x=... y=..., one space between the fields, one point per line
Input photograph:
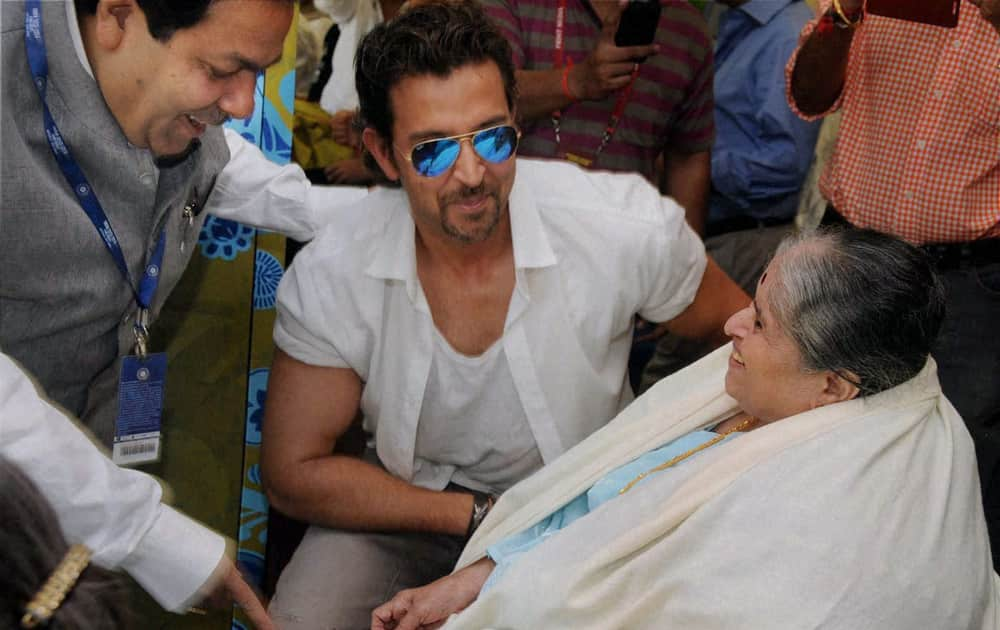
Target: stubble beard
x=484 y=225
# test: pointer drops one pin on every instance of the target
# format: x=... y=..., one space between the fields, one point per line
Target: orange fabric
x=919 y=149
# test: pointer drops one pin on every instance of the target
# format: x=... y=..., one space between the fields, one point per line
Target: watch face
x=935 y=12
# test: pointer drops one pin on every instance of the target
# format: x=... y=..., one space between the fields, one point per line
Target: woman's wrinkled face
x=765 y=369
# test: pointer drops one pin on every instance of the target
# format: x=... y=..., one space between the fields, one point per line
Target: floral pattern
x=267 y=275
x=225 y=239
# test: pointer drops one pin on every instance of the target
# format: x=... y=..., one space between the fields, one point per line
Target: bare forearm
x=686 y=178
x=820 y=70
x=540 y=93
x=717 y=298
x=348 y=493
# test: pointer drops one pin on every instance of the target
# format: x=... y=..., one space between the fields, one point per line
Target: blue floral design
x=267 y=274
x=253 y=475
x=275 y=139
x=256 y=394
x=249 y=127
x=222 y=238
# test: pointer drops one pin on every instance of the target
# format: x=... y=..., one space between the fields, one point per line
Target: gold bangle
x=41 y=608
x=852 y=24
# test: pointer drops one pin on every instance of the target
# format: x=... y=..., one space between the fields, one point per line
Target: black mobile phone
x=638 y=23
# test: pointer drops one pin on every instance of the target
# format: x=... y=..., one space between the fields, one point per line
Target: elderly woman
x=809 y=475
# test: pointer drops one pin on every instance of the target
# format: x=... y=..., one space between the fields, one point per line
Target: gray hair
x=860 y=303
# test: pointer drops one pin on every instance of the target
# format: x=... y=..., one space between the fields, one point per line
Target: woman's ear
x=836 y=389
x=381 y=150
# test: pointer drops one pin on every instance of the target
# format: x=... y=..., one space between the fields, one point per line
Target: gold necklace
x=740 y=427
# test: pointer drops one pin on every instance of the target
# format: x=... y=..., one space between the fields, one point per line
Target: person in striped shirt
x=650 y=102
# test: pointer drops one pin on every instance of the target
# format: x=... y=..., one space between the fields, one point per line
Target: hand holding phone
x=638 y=22
x=608 y=68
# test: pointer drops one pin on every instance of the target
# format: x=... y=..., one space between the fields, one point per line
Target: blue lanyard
x=38 y=61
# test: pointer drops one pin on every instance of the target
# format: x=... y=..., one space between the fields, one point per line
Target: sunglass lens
x=434 y=157
x=495 y=145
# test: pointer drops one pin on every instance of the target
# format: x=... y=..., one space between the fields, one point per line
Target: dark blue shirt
x=762 y=150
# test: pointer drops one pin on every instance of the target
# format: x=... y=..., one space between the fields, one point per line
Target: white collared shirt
x=590 y=251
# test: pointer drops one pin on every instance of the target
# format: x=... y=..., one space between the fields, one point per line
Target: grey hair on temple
x=860 y=303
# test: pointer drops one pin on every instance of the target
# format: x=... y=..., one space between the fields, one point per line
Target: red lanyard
x=609 y=129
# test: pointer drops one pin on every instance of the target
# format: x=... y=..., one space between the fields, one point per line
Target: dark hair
x=164 y=17
x=31 y=546
x=433 y=38
x=858 y=302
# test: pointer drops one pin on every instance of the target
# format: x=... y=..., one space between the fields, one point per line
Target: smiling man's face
x=467 y=202
x=168 y=92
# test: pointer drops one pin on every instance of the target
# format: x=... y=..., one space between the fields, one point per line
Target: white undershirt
x=473 y=430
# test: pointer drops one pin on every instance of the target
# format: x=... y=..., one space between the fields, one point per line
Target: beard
x=483 y=223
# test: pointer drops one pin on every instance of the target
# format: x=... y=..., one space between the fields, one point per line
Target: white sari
x=862 y=514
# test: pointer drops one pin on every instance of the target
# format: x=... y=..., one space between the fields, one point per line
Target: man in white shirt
x=481 y=324
x=118 y=513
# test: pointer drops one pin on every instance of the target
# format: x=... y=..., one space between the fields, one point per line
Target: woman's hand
x=428 y=607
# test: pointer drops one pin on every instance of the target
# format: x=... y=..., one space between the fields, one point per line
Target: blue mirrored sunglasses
x=494 y=144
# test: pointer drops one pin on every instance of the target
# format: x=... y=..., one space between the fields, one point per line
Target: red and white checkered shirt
x=918 y=154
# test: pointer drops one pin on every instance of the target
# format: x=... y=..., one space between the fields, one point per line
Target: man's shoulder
x=794 y=16
x=347 y=240
x=563 y=191
x=680 y=19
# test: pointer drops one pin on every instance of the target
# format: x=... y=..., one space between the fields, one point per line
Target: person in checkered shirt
x=918 y=157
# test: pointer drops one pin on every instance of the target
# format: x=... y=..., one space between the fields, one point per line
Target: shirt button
x=938 y=93
x=147 y=179
x=921 y=144
x=908 y=194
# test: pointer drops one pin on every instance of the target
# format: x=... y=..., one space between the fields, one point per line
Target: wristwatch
x=481 y=505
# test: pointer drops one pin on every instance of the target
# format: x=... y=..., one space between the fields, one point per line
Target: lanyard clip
x=141 y=332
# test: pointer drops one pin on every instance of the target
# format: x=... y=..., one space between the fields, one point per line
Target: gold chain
x=740 y=427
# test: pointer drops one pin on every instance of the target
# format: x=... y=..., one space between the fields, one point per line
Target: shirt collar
x=394 y=254
x=763 y=10
x=74 y=33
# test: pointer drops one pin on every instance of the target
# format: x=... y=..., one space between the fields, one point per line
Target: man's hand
x=343 y=131
x=607 y=68
x=428 y=607
x=990 y=10
x=351 y=171
x=227 y=587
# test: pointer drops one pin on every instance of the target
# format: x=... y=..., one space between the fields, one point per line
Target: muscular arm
x=821 y=66
x=686 y=178
x=717 y=298
x=308 y=409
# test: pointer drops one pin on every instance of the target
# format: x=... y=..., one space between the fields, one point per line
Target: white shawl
x=863 y=514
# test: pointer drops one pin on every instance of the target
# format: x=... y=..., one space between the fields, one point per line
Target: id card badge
x=140 y=409
x=934 y=12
